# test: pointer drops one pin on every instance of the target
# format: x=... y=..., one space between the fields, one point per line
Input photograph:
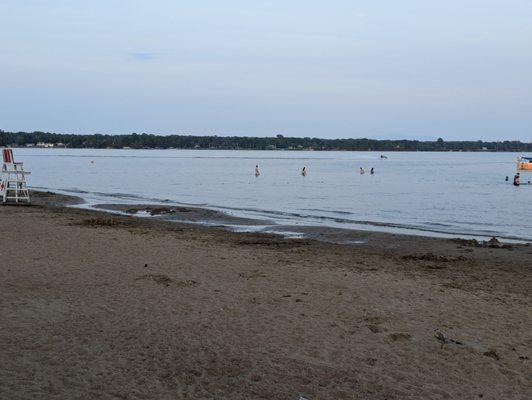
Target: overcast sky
x=459 y=69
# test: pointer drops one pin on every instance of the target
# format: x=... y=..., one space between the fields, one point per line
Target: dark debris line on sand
x=165 y=280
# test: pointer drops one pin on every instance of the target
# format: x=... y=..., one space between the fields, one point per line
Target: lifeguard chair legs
x=13 y=188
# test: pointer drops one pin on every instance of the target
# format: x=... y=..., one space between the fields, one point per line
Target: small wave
x=436 y=224
x=328 y=211
x=76 y=191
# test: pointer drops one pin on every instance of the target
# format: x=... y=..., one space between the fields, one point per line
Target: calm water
x=453 y=194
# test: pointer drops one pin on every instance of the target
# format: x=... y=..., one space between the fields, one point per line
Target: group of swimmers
x=371 y=171
x=304 y=171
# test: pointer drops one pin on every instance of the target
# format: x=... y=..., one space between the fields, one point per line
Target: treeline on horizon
x=279 y=142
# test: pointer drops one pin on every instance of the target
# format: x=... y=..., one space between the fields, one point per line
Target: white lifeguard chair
x=13 y=189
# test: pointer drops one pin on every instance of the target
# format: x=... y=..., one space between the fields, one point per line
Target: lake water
x=442 y=194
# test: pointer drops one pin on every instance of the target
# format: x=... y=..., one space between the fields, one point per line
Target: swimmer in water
x=362 y=172
x=257 y=171
x=517 y=179
x=304 y=171
x=372 y=171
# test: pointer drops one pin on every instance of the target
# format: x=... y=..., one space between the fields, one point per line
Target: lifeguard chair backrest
x=8 y=156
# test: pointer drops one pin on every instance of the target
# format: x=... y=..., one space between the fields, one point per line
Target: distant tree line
x=147 y=141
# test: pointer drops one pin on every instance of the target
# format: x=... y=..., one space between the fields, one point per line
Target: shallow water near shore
x=430 y=194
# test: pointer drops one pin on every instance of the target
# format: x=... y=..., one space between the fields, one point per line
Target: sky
x=414 y=69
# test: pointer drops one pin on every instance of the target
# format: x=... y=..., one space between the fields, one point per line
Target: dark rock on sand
x=493 y=354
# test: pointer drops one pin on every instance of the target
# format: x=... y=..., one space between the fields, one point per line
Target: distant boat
x=524 y=163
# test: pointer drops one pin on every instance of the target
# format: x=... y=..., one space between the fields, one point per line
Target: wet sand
x=180 y=214
x=100 y=306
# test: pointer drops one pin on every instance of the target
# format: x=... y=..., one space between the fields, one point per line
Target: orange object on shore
x=524 y=163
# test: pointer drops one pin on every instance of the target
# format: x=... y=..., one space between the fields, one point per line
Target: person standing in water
x=362 y=172
x=517 y=179
x=257 y=171
x=372 y=171
x=304 y=171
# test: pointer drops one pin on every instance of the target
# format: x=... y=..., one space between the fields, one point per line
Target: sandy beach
x=100 y=306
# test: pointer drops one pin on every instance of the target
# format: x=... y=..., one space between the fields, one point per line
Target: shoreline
x=97 y=304
x=205 y=218
x=341 y=232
